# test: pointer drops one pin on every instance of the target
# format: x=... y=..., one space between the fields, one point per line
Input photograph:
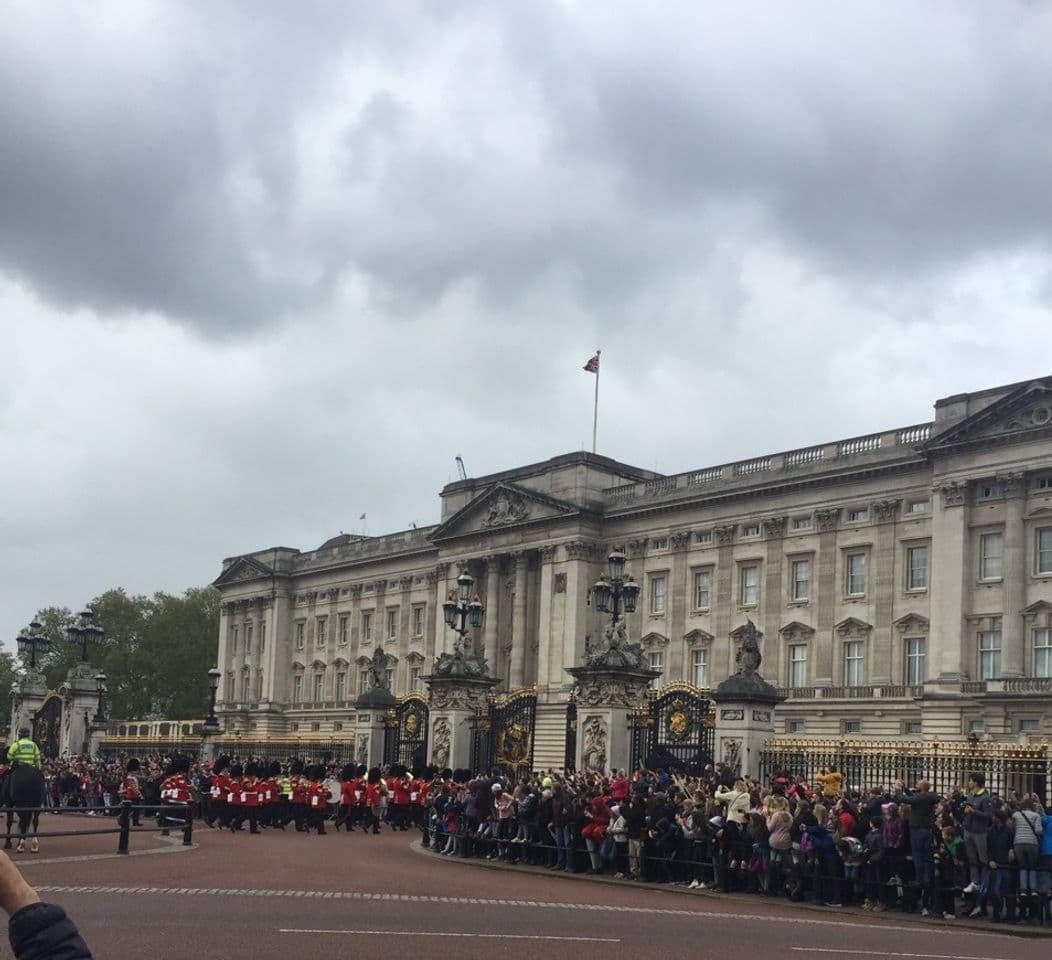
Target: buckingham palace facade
x=902 y=582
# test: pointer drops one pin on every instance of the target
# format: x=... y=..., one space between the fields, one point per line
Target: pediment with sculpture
x=502 y=506
x=1023 y=413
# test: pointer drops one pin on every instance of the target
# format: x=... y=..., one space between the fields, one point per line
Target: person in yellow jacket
x=832 y=782
x=24 y=750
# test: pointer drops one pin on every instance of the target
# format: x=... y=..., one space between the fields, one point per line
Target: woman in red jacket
x=597 y=817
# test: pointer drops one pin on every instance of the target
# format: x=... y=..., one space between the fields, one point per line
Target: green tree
x=155 y=651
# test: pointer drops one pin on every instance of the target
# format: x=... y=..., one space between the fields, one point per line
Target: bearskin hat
x=236 y=770
x=296 y=768
x=362 y=770
x=178 y=764
x=397 y=770
x=252 y=769
x=374 y=775
x=446 y=774
x=429 y=772
x=316 y=772
x=461 y=776
x=132 y=766
x=221 y=765
x=348 y=772
x=274 y=768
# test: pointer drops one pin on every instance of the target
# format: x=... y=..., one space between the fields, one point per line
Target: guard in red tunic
x=249 y=796
x=130 y=789
x=299 y=798
x=317 y=799
x=347 y=798
x=375 y=789
x=217 y=791
x=176 y=795
x=232 y=785
x=398 y=798
x=270 y=796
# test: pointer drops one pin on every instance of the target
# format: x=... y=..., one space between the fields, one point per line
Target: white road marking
x=884 y=953
x=916 y=928
x=435 y=933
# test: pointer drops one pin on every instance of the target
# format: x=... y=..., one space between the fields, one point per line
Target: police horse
x=22 y=791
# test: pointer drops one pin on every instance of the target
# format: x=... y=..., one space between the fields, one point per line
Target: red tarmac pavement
x=241 y=896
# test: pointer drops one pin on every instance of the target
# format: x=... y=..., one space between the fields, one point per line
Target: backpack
x=807 y=843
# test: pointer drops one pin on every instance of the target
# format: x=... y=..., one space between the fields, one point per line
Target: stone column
x=226 y=609
x=518 y=624
x=725 y=605
x=949 y=544
x=882 y=658
x=490 y=627
x=679 y=591
x=405 y=629
x=827 y=595
x=545 y=577
x=441 y=573
x=1013 y=578
x=774 y=588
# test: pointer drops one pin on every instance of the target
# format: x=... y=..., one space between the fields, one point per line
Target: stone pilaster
x=516 y=675
x=774 y=585
x=882 y=658
x=489 y=633
x=949 y=535
x=545 y=582
x=1014 y=575
x=679 y=591
x=723 y=610
x=828 y=590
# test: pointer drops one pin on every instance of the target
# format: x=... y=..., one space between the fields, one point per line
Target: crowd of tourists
x=965 y=852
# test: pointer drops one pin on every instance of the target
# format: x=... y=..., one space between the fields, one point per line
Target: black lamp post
x=100 y=686
x=459 y=613
x=85 y=632
x=614 y=593
x=212 y=721
x=31 y=644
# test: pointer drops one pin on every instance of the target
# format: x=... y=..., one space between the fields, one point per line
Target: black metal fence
x=1008 y=769
x=125 y=819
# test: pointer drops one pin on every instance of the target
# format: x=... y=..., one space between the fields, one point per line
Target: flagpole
x=595 y=409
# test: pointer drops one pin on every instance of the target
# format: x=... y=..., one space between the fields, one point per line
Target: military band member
x=130 y=790
x=176 y=795
x=375 y=790
x=299 y=785
x=317 y=799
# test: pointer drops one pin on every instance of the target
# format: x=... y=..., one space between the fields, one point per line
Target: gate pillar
x=745 y=705
x=27 y=696
x=605 y=701
x=453 y=703
x=80 y=702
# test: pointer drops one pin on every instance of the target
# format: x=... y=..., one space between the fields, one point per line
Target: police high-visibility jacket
x=25 y=752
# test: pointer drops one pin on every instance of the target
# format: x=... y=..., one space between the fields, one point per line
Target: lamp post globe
x=100 y=687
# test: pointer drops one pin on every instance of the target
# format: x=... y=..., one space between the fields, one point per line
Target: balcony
x=867 y=692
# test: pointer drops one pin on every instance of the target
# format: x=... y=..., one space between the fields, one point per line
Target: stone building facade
x=902 y=582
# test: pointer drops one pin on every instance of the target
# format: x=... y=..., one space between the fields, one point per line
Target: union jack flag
x=592 y=366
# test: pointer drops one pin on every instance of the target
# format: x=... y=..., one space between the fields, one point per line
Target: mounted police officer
x=24 y=751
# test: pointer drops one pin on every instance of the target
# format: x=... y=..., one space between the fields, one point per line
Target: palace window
x=418 y=620
x=319 y=682
x=915 y=653
x=858 y=516
x=657 y=594
x=660 y=543
x=1029 y=725
x=854 y=663
x=1043 y=652
x=363 y=681
x=248 y=638
x=749 y=585
x=392 y=623
x=990 y=491
x=856 y=574
x=796 y=726
x=912 y=728
x=802 y=523
x=800 y=585
x=656 y=660
x=341 y=686
x=244 y=685
x=851 y=726
x=750 y=530
x=344 y=628
x=297 y=688
x=321 y=629
x=977 y=726
x=918 y=506
x=798 y=665
x=414 y=678
x=991 y=556
x=236 y=637
x=699 y=667
x=702 y=589
x=259 y=685
x=315 y=727
x=300 y=631
x=337 y=725
x=389 y=674
x=703 y=536
x=262 y=636
x=917 y=568
x=367 y=625
x=1043 y=553
x=230 y=687
x=1043 y=483
x=989 y=654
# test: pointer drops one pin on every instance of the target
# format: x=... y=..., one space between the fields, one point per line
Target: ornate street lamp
x=613 y=592
x=212 y=721
x=460 y=613
x=100 y=686
x=85 y=632
x=32 y=644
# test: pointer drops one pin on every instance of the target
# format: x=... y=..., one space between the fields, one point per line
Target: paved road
x=261 y=897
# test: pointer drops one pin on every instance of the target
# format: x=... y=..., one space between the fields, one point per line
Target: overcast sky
x=267 y=266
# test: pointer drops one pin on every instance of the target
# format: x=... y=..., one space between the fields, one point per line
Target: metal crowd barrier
x=166 y=815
